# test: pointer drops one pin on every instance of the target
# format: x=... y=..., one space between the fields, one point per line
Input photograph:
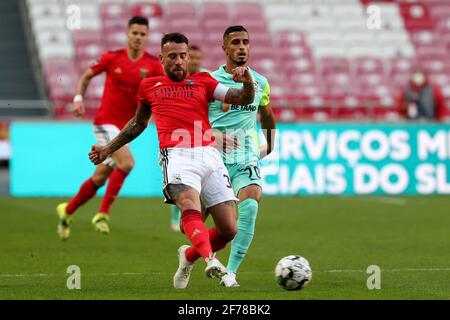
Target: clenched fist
x=98 y=154
x=242 y=74
x=79 y=109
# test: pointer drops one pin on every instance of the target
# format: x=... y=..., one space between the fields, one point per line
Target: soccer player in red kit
x=125 y=68
x=192 y=167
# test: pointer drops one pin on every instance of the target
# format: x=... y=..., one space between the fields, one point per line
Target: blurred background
x=329 y=63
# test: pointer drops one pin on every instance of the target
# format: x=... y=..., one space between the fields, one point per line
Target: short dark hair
x=174 y=37
x=194 y=47
x=138 y=20
x=233 y=29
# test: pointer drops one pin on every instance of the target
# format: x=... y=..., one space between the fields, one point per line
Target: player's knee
x=229 y=235
x=99 y=180
x=256 y=196
x=126 y=166
x=228 y=232
x=186 y=203
x=251 y=192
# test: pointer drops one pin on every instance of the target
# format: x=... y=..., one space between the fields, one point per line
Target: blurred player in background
x=242 y=163
x=194 y=66
x=195 y=60
x=125 y=68
x=192 y=166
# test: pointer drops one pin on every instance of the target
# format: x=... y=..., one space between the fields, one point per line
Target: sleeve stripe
x=265 y=99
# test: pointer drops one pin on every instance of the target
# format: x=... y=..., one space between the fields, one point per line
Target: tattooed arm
x=247 y=93
x=133 y=129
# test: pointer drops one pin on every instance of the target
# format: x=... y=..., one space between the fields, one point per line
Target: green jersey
x=240 y=120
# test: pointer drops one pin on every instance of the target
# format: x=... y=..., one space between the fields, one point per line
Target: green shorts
x=243 y=174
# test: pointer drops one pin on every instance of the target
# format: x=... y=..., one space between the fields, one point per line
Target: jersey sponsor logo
x=118 y=70
x=225 y=107
x=247 y=107
x=176 y=92
x=125 y=87
x=143 y=72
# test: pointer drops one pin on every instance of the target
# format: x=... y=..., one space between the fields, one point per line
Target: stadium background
x=336 y=68
x=326 y=61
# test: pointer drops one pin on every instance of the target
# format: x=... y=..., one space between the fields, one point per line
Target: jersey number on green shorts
x=252 y=171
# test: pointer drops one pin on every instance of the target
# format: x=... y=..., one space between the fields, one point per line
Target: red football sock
x=87 y=190
x=197 y=232
x=115 y=183
x=217 y=243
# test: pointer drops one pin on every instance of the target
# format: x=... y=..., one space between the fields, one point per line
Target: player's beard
x=240 y=62
x=175 y=77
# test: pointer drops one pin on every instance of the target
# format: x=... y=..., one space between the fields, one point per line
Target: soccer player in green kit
x=242 y=162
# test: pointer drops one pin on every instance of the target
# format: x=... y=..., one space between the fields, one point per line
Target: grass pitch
x=407 y=237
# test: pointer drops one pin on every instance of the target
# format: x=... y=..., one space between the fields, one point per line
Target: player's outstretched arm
x=267 y=119
x=132 y=130
x=243 y=96
x=83 y=83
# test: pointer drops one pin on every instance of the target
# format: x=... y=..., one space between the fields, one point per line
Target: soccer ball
x=293 y=272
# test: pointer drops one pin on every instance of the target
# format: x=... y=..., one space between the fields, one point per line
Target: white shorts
x=104 y=134
x=201 y=168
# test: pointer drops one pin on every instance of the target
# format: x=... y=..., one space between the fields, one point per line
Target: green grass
x=409 y=238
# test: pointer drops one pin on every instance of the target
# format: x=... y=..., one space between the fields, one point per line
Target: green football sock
x=248 y=209
x=175 y=219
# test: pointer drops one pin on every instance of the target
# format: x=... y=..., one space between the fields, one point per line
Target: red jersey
x=123 y=76
x=180 y=109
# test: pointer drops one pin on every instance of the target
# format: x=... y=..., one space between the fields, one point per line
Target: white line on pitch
x=5 y=275
x=387 y=200
x=392 y=200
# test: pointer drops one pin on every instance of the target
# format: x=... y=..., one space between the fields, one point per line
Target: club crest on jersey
x=118 y=70
x=177 y=177
x=190 y=82
x=143 y=73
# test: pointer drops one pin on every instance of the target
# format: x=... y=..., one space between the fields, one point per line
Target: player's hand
x=98 y=154
x=225 y=142
x=242 y=74
x=229 y=143
x=78 y=109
